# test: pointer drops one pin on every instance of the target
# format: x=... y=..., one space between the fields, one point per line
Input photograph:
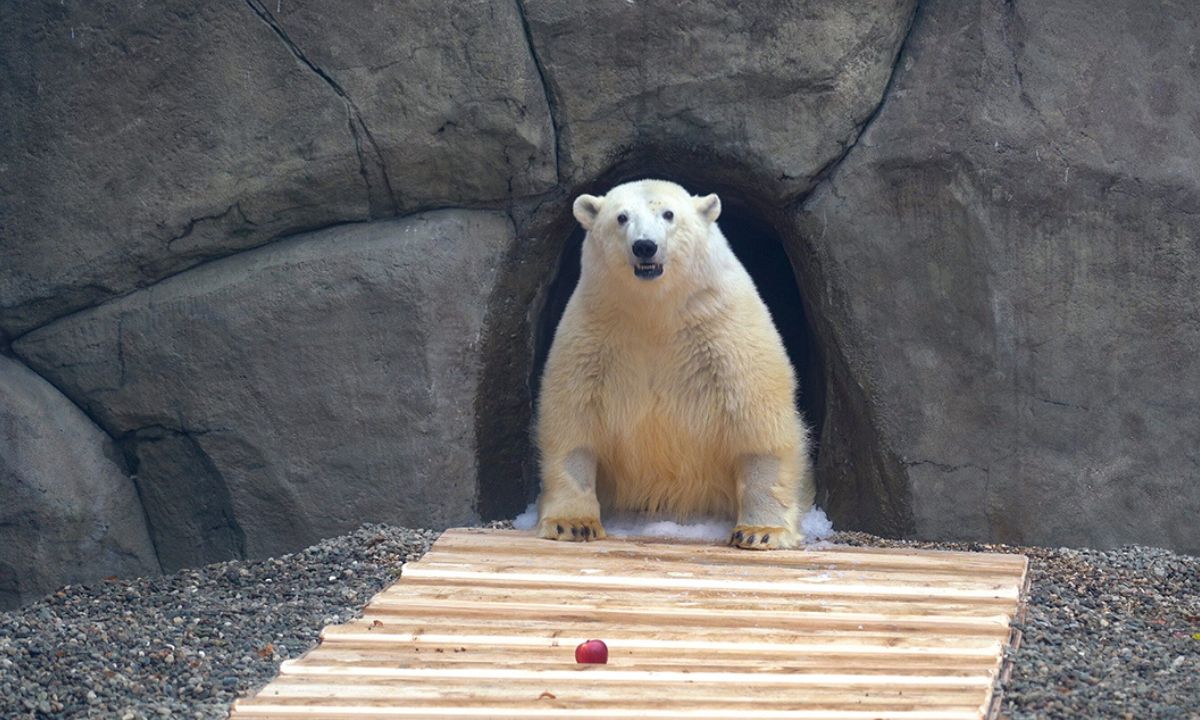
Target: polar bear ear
x=586 y=208
x=709 y=207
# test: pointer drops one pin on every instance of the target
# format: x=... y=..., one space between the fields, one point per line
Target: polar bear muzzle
x=645 y=267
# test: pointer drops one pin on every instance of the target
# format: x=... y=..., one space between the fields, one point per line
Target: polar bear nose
x=644 y=249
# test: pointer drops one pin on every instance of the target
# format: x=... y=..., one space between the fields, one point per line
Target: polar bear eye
x=622 y=218
x=668 y=216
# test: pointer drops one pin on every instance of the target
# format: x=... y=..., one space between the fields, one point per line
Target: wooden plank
x=535 y=631
x=499 y=712
x=440 y=692
x=942 y=647
x=604 y=566
x=519 y=541
x=582 y=673
x=632 y=684
x=495 y=543
x=579 y=583
x=733 y=657
x=715 y=600
x=385 y=608
x=486 y=623
x=745 y=701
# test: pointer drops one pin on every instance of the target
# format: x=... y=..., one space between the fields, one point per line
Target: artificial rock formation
x=778 y=87
x=142 y=140
x=292 y=392
x=1012 y=264
x=70 y=513
x=298 y=263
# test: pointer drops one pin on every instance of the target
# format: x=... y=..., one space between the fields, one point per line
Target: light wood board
x=486 y=623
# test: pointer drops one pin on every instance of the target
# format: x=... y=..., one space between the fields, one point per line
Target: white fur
x=669 y=395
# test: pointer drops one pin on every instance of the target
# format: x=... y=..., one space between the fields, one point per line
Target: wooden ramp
x=485 y=626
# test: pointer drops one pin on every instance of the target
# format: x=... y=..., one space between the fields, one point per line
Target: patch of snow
x=703 y=529
x=815 y=525
x=528 y=519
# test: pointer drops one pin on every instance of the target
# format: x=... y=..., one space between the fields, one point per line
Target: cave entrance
x=761 y=250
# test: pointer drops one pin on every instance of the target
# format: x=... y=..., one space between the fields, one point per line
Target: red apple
x=592 y=651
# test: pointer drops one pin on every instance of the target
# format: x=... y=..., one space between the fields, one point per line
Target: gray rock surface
x=1011 y=264
x=294 y=391
x=780 y=87
x=139 y=140
x=1000 y=272
x=69 y=512
x=450 y=92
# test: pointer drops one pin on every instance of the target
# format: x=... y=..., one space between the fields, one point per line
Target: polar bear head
x=647 y=230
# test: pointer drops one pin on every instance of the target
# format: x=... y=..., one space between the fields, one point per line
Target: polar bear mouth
x=648 y=271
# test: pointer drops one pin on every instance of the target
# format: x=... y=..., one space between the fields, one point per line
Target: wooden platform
x=485 y=626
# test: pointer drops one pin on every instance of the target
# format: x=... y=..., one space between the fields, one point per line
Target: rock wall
x=142 y=140
x=1013 y=244
x=69 y=513
x=291 y=259
x=290 y=393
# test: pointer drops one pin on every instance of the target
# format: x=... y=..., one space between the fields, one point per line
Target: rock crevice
x=547 y=90
x=70 y=512
x=192 y=523
x=860 y=129
x=381 y=197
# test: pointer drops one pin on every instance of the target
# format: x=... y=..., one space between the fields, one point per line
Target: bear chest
x=655 y=394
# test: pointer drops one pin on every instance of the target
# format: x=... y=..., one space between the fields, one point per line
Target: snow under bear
x=667 y=389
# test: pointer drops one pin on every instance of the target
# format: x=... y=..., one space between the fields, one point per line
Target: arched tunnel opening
x=860 y=481
x=762 y=251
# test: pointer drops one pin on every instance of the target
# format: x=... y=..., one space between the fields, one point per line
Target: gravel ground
x=1113 y=634
x=188 y=644
x=1106 y=634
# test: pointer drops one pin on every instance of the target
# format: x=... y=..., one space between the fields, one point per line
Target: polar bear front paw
x=761 y=537
x=573 y=529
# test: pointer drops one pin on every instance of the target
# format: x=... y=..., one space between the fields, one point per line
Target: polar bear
x=667 y=389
